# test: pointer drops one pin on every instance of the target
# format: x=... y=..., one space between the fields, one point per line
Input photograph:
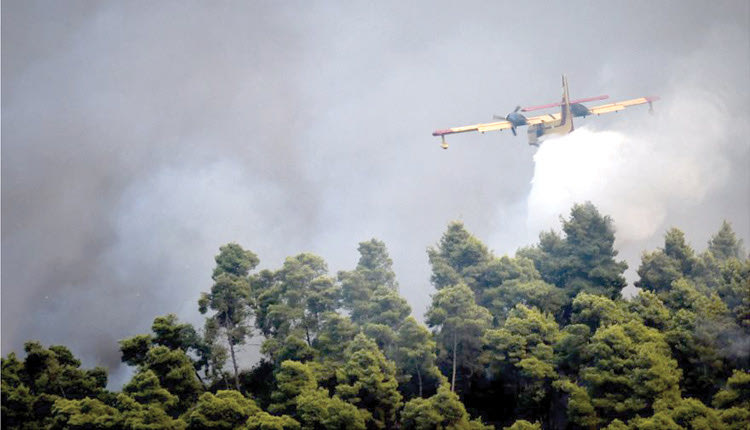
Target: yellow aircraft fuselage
x=561 y=123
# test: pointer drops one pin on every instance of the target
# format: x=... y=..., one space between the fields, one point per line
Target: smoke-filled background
x=138 y=137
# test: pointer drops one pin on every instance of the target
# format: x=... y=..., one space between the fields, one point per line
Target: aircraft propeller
x=514 y=118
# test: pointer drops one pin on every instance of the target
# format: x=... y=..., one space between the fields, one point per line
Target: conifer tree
x=374 y=270
x=458 y=323
x=725 y=244
x=415 y=354
x=229 y=298
x=368 y=381
x=294 y=300
x=584 y=259
x=455 y=256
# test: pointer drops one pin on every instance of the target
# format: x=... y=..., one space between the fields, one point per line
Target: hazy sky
x=138 y=137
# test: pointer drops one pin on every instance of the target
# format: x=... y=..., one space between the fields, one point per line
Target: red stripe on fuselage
x=589 y=99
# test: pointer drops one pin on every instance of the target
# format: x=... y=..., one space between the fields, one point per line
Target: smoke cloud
x=656 y=171
x=137 y=139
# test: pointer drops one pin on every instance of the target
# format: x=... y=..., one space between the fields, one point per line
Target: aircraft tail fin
x=566 y=116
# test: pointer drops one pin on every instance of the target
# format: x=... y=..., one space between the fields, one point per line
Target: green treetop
x=149 y=416
x=385 y=306
x=703 y=336
x=227 y=409
x=31 y=387
x=442 y=411
x=229 y=298
x=83 y=414
x=235 y=261
x=335 y=334
x=459 y=324
x=382 y=316
x=724 y=244
x=521 y=354
x=584 y=259
x=596 y=311
x=145 y=389
x=457 y=253
x=368 y=381
x=628 y=368
x=292 y=379
x=374 y=270
x=319 y=411
x=734 y=401
x=660 y=268
x=298 y=395
x=294 y=300
x=415 y=355
x=176 y=373
x=503 y=282
x=647 y=307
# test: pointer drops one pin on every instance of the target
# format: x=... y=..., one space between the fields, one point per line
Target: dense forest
x=540 y=340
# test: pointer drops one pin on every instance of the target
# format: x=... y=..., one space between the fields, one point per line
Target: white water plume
x=663 y=165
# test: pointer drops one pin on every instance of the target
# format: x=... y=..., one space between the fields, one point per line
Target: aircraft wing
x=618 y=106
x=541 y=119
x=489 y=126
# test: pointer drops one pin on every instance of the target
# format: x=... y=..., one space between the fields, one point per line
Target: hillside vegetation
x=539 y=340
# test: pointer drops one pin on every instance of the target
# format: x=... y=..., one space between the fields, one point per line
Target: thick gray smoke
x=138 y=138
x=660 y=171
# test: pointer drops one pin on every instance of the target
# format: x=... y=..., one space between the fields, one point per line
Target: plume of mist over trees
x=539 y=340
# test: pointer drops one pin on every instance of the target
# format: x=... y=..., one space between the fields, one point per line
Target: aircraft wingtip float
x=551 y=123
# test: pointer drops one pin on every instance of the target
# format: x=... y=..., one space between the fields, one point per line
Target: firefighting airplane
x=553 y=123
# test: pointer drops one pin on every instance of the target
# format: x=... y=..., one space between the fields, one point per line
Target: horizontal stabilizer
x=551 y=105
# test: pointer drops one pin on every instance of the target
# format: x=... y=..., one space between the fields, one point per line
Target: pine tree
x=229 y=298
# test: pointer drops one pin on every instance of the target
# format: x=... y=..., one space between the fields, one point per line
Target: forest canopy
x=543 y=339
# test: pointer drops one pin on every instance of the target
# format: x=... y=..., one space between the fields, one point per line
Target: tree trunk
x=224 y=378
x=419 y=378
x=234 y=362
x=198 y=375
x=453 y=380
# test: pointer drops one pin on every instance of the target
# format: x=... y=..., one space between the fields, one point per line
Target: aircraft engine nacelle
x=578 y=109
x=516 y=119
